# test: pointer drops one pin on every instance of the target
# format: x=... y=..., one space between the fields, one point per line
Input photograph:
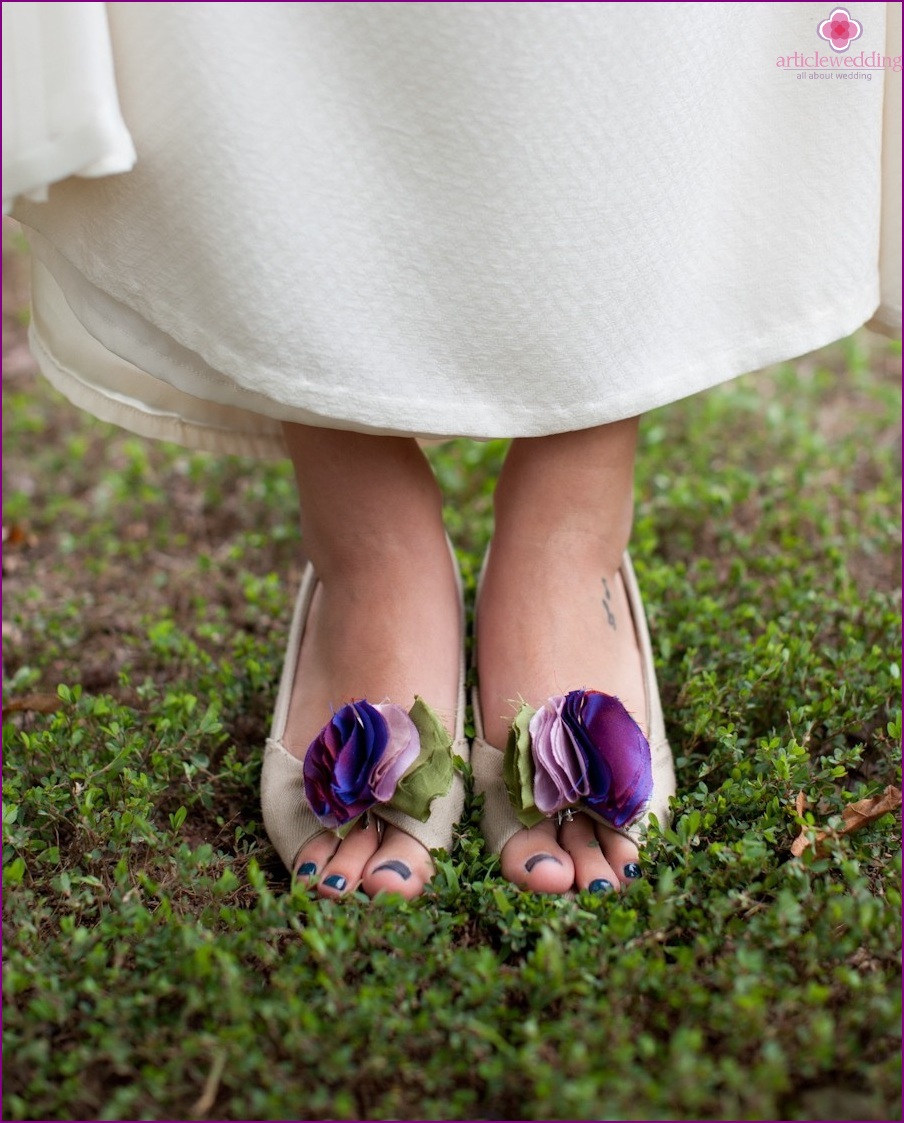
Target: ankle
x=593 y=537
x=380 y=557
x=561 y=558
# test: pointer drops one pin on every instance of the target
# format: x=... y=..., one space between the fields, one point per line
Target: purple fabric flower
x=587 y=748
x=357 y=760
x=401 y=752
x=560 y=776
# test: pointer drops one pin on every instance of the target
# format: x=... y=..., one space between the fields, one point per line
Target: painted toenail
x=306 y=869
x=535 y=860
x=600 y=885
x=397 y=867
x=335 y=881
x=632 y=869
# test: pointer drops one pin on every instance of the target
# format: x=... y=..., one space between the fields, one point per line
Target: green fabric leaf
x=518 y=769
x=431 y=774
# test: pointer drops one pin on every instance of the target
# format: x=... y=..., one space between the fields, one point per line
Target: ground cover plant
x=157 y=964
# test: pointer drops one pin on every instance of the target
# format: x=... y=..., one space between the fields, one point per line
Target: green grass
x=157 y=965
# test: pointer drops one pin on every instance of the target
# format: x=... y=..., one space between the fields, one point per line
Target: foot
x=553 y=617
x=384 y=633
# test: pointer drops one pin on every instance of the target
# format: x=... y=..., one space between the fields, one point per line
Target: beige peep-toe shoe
x=500 y=821
x=288 y=818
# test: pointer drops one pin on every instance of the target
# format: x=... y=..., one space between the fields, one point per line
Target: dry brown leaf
x=855 y=816
x=865 y=811
x=33 y=703
x=16 y=536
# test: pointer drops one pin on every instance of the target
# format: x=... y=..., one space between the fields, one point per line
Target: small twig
x=211 y=1086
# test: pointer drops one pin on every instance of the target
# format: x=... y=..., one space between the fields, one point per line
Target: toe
x=621 y=854
x=533 y=859
x=342 y=873
x=592 y=870
x=312 y=857
x=401 y=865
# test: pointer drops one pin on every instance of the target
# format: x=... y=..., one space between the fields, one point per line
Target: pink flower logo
x=839 y=29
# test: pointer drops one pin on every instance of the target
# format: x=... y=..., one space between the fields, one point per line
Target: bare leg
x=384 y=624
x=553 y=616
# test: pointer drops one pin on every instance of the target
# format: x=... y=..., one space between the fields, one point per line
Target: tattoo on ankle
x=607 y=597
x=593 y=844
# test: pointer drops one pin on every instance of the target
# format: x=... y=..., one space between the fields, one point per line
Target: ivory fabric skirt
x=467 y=219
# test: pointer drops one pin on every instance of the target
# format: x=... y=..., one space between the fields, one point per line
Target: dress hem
x=267 y=443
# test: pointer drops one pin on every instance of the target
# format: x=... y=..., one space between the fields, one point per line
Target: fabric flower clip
x=370 y=755
x=581 y=750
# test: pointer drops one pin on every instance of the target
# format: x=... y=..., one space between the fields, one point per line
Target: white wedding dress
x=479 y=219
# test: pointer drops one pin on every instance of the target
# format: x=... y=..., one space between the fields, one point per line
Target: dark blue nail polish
x=335 y=881
x=306 y=869
x=632 y=869
x=600 y=885
x=396 y=867
x=536 y=859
